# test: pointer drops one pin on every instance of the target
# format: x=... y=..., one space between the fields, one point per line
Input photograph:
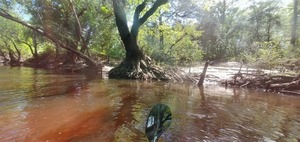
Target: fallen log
x=281 y=77
x=249 y=74
x=269 y=83
x=294 y=85
x=297 y=92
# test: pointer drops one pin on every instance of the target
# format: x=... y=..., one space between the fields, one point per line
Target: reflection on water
x=37 y=105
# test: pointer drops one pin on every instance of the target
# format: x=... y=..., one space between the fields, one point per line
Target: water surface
x=38 y=105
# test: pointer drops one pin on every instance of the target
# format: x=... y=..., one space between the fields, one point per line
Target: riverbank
x=228 y=75
x=251 y=78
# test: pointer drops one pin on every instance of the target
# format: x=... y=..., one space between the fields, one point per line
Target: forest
x=137 y=36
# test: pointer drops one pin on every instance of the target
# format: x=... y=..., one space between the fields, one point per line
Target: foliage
x=179 y=46
x=178 y=33
x=170 y=41
x=269 y=55
x=10 y=34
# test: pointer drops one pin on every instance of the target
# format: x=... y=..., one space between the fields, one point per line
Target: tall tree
x=265 y=19
x=295 y=23
x=221 y=24
x=135 y=64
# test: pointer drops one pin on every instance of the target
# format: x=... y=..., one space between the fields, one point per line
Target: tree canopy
x=180 y=32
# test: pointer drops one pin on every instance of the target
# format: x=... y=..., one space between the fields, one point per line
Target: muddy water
x=37 y=105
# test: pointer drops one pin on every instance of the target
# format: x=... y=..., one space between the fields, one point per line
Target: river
x=39 y=105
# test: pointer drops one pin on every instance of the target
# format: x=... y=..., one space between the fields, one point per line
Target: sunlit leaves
x=104 y=9
x=179 y=43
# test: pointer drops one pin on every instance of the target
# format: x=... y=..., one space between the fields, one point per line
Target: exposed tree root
x=138 y=70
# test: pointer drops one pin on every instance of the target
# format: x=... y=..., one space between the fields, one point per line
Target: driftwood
x=282 y=84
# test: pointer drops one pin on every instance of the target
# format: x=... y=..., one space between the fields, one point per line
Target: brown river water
x=38 y=105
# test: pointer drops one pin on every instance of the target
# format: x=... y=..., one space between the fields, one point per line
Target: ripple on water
x=82 y=109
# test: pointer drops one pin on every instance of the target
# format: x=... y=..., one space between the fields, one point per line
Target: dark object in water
x=158 y=120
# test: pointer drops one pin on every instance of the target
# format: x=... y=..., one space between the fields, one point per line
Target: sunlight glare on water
x=38 y=105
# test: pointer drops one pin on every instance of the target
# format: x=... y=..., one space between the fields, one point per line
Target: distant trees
x=265 y=20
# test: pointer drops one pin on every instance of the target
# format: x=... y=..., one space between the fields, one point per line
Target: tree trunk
x=35 y=52
x=135 y=65
x=161 y=33
x=13 y=61
x=295 y=23
x=202 y=76
x=17 y=50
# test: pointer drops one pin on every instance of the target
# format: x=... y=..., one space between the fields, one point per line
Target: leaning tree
x=135 y=65
x=52 y=15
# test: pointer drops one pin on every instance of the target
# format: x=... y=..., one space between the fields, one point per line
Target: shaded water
x=37 y=105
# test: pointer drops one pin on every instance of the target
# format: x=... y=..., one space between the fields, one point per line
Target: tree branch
x=136 y=25
x=155 y=6
x=138 y=10
x=81 y=12
x=30 y=47
x=140 y=21
x=6 y=15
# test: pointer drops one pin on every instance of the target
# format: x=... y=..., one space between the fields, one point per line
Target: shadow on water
x=88 y=108
x=45 y=83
